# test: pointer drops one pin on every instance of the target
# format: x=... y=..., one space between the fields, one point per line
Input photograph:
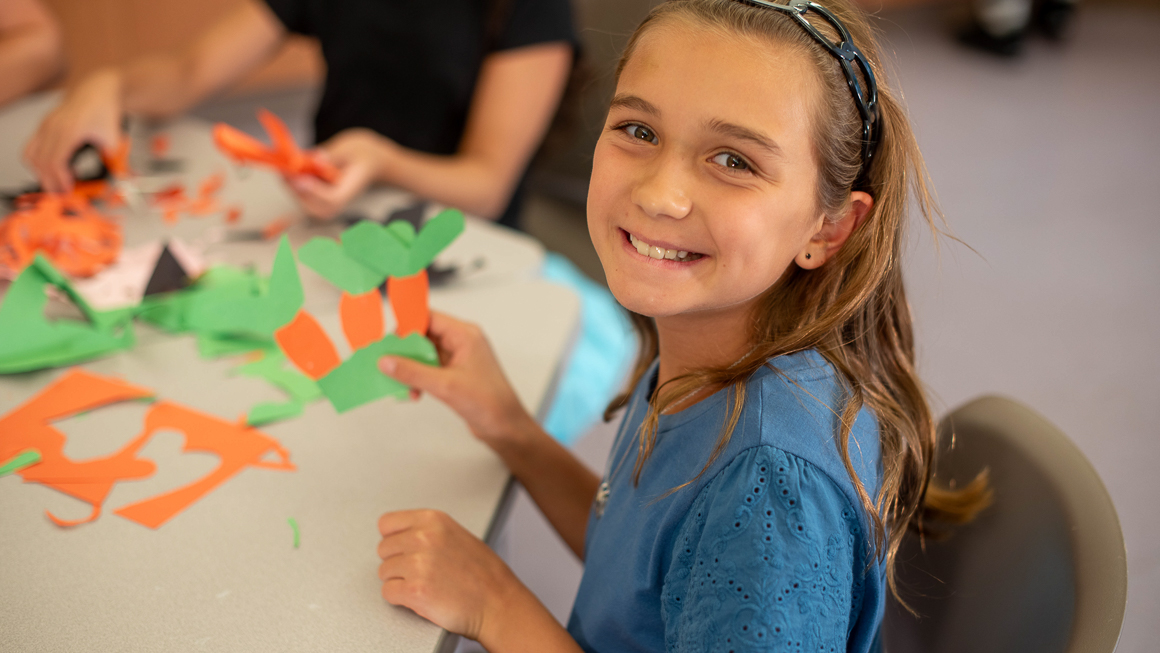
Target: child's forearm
x=524 y=625
x=561 y=485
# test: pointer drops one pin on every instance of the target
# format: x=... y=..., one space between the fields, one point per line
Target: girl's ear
x=833 y=234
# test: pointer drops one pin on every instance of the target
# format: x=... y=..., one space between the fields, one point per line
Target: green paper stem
x=26 y=458
x=294 y=526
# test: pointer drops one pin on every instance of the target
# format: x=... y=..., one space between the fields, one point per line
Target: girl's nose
x=661 y=193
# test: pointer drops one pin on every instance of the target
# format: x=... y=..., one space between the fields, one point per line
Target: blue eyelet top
x=767 y=551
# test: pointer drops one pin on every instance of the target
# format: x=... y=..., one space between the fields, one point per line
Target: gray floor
x=1046 y=166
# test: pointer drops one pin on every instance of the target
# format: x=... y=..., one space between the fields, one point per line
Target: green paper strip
x=26 y=458
x=273 y=411
x=358 y=380
x=294 y=525
x=327 y=258
x=212 y=346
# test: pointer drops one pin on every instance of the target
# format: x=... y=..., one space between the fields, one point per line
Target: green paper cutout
x=300 y=388
x=169 y=311
x=403 y=230
x=358 y=380
x=30 y=341
x=272 y=411
x=327 y=258
x=377 y=248
x=211 y=345
x=294 y=525
x=260 y=315
x=436 y=235
x=26 y=458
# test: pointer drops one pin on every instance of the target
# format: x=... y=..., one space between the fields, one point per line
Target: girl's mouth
x=657 y=252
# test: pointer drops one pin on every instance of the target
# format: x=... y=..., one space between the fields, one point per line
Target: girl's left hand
x=433 y=566
x=358 y=154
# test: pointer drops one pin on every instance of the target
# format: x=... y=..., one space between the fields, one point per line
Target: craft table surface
x=223 y=575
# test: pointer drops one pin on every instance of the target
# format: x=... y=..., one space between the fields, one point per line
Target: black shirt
x=407 y=68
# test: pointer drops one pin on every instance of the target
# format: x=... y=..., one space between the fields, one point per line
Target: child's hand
x=433 y=566
x=469 y=380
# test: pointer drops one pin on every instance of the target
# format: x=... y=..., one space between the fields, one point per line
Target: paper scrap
x=254 y=315
x=284 y=155
x=65 y=228
x=294 y=526
x=300 y=389
x=362 y=318
x=358 y=380
x=25 y=458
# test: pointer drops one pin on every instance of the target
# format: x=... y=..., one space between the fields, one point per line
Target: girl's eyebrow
x=746 y=134
x=634 y=102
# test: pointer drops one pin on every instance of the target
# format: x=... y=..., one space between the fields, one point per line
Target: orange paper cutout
x=159 y=146
x=173 y=201
x=29 y=426
x=307 y=346
x=237 y=446
x=233 y=215
x=276 y=227
x=408 y=296
x=284 y=155
x=362 y=318
x=70 y=233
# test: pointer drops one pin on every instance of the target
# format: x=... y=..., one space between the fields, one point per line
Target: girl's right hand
x=90 y=113
x=469 y=380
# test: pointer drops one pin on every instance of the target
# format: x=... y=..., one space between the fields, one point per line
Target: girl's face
x=703 y=183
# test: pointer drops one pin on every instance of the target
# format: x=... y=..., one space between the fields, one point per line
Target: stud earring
x=808 y=256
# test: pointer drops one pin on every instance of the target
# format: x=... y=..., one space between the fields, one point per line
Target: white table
x=223 y=575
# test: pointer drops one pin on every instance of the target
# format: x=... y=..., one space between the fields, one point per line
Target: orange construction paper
x=233 y=215
x=29 y=426
x=70 y=233
x=284 y=155
x=276 y=227
x=307 y=346
x=238 y=447
x=408 y=296
x=173 y=201
x=362 y=318
x=159 y=146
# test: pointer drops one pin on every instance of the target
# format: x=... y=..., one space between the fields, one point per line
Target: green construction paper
x=211 y=345
x=259 y=315
x=169 y=311
x=273 y=411
x=402 y=230
x=327 y=258
x=30 y=341
x=358 y=380
x=271 y=368
x=26 y=458
x=436 y=235
x=294 y=525
x=377 y=248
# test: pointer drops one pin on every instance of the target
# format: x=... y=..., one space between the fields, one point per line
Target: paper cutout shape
x=408 y=297
x=25 y=458
x=307 y=346
x=284 y=155
x=362 y=318
x=300 y=388
x=326 y=257
x=172 y=201
x=238 y=447
x=168 y=274
x=358 y=380
x=65 y=228
x=29 y=426
x=294 y=525
x=29 y=341
x=251 y=316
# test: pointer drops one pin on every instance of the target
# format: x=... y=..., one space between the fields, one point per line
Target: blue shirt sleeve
x=770 y=557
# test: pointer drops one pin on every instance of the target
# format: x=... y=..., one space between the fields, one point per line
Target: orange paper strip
x=307 y=346
x=362 y=318
x=238 y=447
x=408 y=297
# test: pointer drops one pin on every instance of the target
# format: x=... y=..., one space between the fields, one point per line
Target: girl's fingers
x=418 y=376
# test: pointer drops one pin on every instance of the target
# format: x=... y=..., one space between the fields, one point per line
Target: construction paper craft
x=252 y=316
x=29 y=427
x=294 y=526
x=238 y=447
x=301 y=389
x=123 y=284
x=358 y=380
x=25 y=458
x=362 y=318
x=211 y=345
x=327 y=258
x=29 y=341
x=220 y=283
x=168 y=274
x=284 y=155
x=408 y=297
x=307 y=346
x=64 y=228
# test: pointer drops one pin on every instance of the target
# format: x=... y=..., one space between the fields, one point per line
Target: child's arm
x=471 y=382
x=433 y=566
x=31 y=48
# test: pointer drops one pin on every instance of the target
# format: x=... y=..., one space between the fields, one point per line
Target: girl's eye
x=641 y=132
x=730 y=160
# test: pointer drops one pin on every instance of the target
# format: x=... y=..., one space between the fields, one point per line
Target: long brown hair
x=852 y=309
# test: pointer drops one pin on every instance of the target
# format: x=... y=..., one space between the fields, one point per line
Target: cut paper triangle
x=168 y=275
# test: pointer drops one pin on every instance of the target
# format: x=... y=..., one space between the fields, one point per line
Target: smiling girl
x=747 y=201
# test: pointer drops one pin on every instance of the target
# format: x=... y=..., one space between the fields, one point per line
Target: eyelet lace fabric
x=770 y=558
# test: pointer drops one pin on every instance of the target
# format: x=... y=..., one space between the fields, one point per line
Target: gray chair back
x=1042 y=570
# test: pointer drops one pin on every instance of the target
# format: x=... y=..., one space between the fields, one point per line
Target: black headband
x=847 y=55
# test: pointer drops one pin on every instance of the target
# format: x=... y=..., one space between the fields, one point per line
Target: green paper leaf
x=26 y=458
x=436 y=235
x=402 y=230
x=327 y=258
x=358 y=380
x=260 y=315
x=373 y=246
x=266 y=413
x=30 y=341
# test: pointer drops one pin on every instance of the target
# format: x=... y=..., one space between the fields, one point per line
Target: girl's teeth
x=656 y=252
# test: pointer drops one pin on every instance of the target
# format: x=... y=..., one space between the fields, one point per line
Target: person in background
x=31 y=49
x=448 y=100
